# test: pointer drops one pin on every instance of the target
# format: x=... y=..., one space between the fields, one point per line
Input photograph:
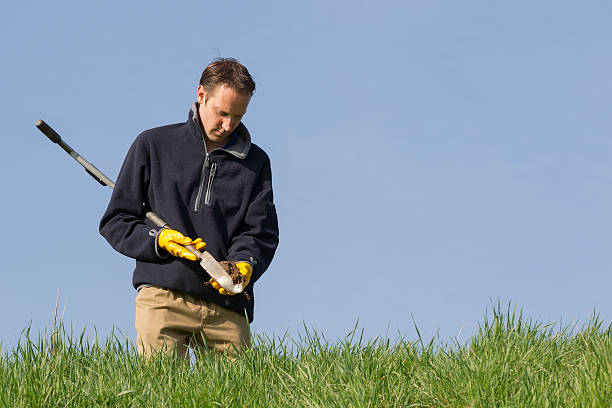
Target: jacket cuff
x=242 y=258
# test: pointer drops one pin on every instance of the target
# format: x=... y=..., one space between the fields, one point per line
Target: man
x=206 y=179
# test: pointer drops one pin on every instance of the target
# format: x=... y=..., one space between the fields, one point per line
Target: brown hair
x=229 y=72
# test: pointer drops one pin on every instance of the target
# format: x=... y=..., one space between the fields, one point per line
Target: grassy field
x=509 y=362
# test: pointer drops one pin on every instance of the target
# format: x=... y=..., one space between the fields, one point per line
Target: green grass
x=509 y=362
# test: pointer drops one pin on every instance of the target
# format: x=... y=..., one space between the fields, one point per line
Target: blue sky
x=429 y=158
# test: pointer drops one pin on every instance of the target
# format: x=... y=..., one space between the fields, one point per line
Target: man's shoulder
x=161 y=132
x=159 y=136
x=258 y=153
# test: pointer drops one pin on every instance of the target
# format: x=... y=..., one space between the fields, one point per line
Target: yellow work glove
x=174 y=242
x=246 y=270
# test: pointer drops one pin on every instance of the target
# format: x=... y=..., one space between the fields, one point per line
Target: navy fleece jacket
x=224 y=197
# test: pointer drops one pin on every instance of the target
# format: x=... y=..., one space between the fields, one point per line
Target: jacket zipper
x=211 y=177
x=202 y=178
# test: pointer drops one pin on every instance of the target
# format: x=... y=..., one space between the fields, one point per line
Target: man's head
x=224 y=94
x=229 y=72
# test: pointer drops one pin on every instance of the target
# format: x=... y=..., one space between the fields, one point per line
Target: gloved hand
x=173 y=242
x=246 y=270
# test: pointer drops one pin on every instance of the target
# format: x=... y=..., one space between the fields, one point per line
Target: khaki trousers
x=168 y=321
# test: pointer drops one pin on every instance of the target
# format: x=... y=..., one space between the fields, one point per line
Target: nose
x=227 y=124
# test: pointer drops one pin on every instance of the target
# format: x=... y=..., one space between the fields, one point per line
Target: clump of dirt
x=234 y=273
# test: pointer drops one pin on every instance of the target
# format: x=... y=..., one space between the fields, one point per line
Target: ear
x=201 y=95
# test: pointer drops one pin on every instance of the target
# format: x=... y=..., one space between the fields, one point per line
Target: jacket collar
x=240 y=148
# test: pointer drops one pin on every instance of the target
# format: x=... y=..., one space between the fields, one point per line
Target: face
x=221 y=110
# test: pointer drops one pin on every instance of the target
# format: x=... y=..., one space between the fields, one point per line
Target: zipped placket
x=211 y=177
x=201 y=188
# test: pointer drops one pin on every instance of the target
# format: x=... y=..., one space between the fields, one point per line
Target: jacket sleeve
x=257 y=239
x=123 y=224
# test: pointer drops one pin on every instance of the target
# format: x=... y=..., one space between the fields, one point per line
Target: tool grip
x=48 y=131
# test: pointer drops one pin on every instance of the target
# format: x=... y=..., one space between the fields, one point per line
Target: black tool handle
x=48 y=131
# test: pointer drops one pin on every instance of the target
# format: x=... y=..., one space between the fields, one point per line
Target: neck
x=210 y=145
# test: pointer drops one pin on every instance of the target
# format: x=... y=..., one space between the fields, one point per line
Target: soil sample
x=234 y=273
